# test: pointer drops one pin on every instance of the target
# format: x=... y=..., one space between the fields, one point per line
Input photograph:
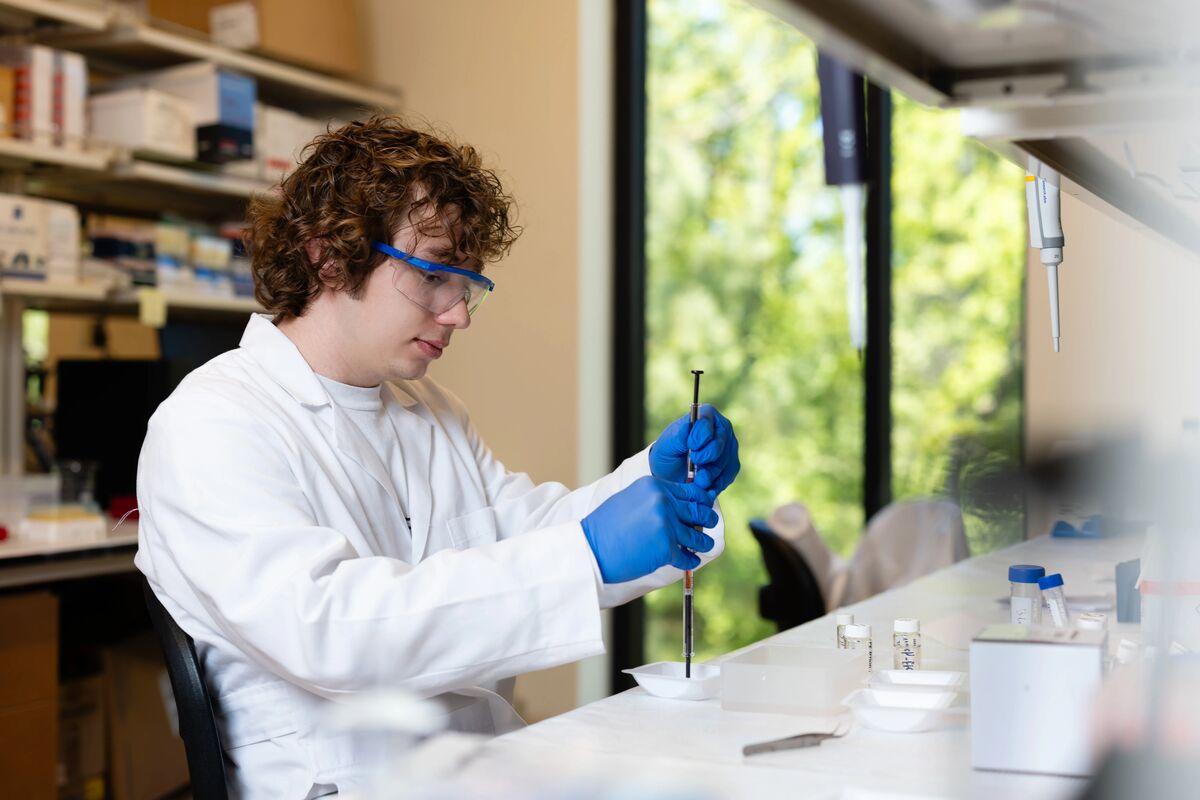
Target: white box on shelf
x=33 y=91
x=1032 y=690
x=22 y=237
x=222 y=106
x=63 y=249
x=234 y=25
x=217 y=95
x=145 y=120
x=281 y=129
x=70 y=99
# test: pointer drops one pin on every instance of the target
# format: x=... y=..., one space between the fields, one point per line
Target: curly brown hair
x=362 y=182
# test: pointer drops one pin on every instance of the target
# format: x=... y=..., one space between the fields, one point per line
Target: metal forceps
x=798 y=742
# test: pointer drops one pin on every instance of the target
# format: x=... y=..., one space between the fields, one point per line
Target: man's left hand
x=713 y=446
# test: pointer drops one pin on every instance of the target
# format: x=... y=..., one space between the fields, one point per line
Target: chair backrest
x=904 y=541
x=197 y=726
x=793 y=595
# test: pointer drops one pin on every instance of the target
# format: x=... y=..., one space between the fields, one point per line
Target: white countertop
x=17 y=547
x=697 y=744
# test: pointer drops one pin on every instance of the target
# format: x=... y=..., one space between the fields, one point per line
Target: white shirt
x=364 y=407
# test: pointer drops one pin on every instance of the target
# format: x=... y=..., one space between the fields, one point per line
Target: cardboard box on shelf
x=82 y=744
x=28 y=750
x=28 y=694
x=319 y=34
x=33 y=91
x=222 y=106
x=146 y=121
x=7 y=87
x=147 y=759
x=69 y=100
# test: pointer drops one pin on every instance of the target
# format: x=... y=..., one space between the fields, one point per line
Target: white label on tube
x=1022 y=610
x=1058 y=613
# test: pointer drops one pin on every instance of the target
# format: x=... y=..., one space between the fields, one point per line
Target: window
x=744 y=278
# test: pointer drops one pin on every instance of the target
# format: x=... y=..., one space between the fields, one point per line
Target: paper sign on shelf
x=152 y=307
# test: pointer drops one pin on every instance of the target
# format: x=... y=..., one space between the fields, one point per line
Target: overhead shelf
x=22 y=154
x=87 y=297
x=1103 y=93
x=131 y=43
x=26 y=15
x=189 y=179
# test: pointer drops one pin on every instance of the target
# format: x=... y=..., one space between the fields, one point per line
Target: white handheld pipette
x=1045 y=231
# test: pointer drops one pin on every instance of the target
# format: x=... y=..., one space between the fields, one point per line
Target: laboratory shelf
x=55 y=292
x=133 y=43
x=194 y=301
x=192 y=180
x=19 y=153
x=24 y=15
x=93 y=296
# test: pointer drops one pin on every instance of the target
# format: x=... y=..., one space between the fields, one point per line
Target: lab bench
x=30 y=563
x=697 y=744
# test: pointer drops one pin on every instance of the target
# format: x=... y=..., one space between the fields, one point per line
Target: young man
x=324 y=520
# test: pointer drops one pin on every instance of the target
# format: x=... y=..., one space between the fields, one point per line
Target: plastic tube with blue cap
x=1052 y=593
x=1025 y=597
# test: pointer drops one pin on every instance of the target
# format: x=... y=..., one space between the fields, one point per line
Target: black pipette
x=688 y=646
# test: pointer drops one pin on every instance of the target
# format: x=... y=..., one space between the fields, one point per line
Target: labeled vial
x=906 y=644
x=858 y=637
x=1024 y=595
x=1056 y=602
x=842 y=619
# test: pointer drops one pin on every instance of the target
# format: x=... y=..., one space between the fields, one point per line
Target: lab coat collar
x=280 y=359
x=282 y=362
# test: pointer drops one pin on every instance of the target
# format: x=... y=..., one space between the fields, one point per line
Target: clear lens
x=437 y=292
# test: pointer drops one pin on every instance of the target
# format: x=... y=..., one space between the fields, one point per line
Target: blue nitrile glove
x=713 y=445
x=645 y=526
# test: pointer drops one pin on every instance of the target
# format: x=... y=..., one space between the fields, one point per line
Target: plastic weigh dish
x=666 y=679
x=871 y=712
x=918 y=677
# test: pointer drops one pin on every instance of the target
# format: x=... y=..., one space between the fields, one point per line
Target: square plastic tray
x=791 y=679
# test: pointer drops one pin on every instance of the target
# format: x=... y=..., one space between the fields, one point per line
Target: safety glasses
x=437 y=288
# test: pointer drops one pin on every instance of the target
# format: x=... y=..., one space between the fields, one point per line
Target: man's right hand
x=646 y=525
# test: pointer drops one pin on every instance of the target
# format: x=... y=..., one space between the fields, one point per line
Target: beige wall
x=1130 y=332
x=1130 y=335
x=504 y=77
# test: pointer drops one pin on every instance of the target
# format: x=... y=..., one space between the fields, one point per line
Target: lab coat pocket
x=474 y=529
x=255 y=714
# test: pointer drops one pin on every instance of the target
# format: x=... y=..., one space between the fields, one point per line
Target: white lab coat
x=271 y=534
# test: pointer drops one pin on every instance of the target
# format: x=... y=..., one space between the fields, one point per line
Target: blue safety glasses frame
x=487 y=285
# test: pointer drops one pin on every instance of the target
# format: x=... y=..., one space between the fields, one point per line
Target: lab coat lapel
x=350 y=441
x=416 y=446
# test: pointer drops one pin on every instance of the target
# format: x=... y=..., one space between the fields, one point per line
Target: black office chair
x=197 y=726
x=793 y=596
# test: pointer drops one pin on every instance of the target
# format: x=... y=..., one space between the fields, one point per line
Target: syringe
x=688 y=629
